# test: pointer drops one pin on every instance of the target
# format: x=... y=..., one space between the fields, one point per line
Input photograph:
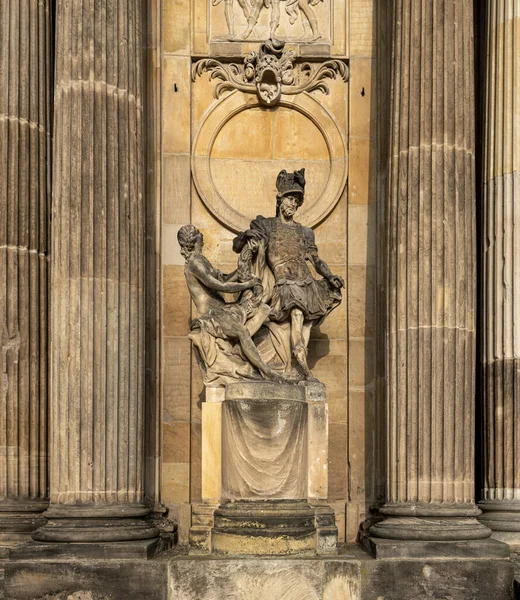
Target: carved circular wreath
x=228 y=108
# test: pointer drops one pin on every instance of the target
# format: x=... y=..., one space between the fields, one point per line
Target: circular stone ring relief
x=241 y=146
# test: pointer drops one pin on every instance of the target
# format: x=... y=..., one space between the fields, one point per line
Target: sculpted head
x=190 y=240
x=291 y=190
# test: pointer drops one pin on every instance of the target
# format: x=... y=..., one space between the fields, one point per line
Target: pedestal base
x=261 y=528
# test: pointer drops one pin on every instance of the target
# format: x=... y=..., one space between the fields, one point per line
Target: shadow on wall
x=375 y=397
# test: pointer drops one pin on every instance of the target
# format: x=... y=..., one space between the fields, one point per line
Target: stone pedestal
x=500 y=499
x=26 y=68
x=264 y=457
x=430 y=348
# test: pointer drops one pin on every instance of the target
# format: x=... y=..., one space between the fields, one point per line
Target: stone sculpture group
x=258 y=334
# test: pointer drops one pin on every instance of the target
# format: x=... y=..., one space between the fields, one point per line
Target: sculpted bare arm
x=200 y=269
x=322 y=268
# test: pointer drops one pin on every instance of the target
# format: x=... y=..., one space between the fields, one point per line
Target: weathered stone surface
x=431 y=279
x=417 y=549
x=25 y=121
x=350 y=577
x=97 y=284
x=353 y=576
x=87 y=580
x=500 y=278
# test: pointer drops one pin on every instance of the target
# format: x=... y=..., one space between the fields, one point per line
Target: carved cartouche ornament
x=268 y=70
x=270 y=73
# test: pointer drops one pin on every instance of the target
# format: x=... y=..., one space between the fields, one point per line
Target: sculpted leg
x=260 y=317
x=311 y=17
x=230 y=17
x=275 y=17
x=245 y=8
x=256 y=7
x=252 y=354
x=299 y=340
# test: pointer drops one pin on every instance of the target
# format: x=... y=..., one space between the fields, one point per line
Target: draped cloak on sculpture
x=281 y=264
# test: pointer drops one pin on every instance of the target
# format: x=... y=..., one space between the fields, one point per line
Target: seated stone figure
x=219 y=325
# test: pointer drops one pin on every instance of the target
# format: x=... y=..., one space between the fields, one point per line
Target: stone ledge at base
x=431 y=550
x=136 y=549
x=352 y=575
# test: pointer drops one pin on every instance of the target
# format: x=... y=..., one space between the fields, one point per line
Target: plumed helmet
x=290 y=183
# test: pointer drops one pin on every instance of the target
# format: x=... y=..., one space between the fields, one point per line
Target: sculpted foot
x=300 y=354
x=248 y=31
x=276 y=377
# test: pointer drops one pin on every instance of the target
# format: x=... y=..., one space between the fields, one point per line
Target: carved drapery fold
x=500 y=281
x=25 y=111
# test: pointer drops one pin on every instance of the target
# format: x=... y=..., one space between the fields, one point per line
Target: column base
x=503 y=518
x=19 y=519
x=96 y=524
x=430 y=522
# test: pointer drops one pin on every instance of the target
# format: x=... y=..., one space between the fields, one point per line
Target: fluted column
x=25 y=109
x=501 y=273
x=430 y=339
x=97 y=292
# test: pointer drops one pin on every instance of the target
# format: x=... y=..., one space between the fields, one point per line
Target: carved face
x=199 y=243
x=290 y=205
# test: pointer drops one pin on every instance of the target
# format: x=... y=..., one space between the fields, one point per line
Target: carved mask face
x=289 y=205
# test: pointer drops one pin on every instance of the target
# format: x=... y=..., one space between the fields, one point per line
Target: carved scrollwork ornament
x=270 y=73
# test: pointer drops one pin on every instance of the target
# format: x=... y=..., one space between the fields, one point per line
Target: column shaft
x=97 y=294
x=430 y=344
x=501 y=276
x=25 y=110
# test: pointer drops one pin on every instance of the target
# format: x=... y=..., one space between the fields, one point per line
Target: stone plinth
x=352 y=575
x=264 y=457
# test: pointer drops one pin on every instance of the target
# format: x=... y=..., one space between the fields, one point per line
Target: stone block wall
x=249 y=150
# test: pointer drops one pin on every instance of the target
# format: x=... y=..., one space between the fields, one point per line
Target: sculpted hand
x=251 y=283
x=336 y=281
x=254 y=282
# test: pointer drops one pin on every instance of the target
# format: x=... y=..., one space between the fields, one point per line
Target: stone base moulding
x=503 y=518
x=19 y=519
x=429 y=530
x=97 y=524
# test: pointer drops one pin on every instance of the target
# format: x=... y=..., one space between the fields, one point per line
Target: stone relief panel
x=234 y=27
x=292 y=20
